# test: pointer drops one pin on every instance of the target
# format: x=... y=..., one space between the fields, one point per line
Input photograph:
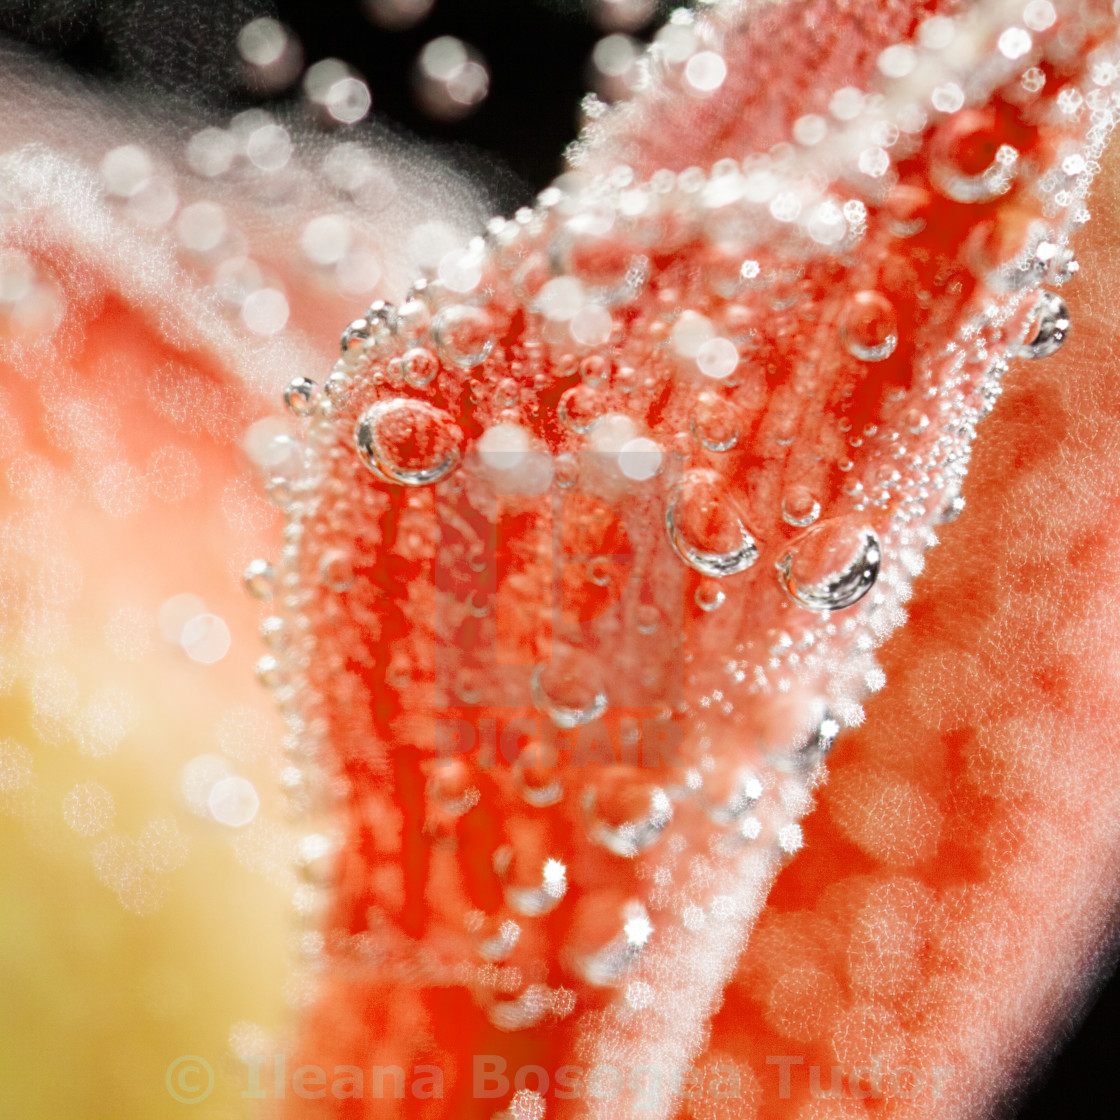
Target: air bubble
x=606 y=938
x=260 y=579
x=408 y=442
x=709 y=595
x=800 y=507
x=336 y=571
x=464 y=335
x=299 y=396
x=566 y=695
x=869 y=326
x=714 y=423
x=647 y=618
x=420 y=367
x=704 y=528
x=1050 y=327
x=831 y=566
x=627 y=817
x=580 y=409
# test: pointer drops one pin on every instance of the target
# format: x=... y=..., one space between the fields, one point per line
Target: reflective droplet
x=626 y=816
x=464 y=335
x=354 y=339
x=274 y=633
x=532 y=886
x=731 y=796
x=1049 y=328
x=606 y=938
x=869 y=326
x=336 y=572
x=704 y=528
x=299 y=396
x=580 y=408
x=916 y=421
x=831 y=566
x=952 y=509
x=565 y=694
x=800 y=507
x=709 y=595
x=646 y=618
x=420 y=366
x=809 y=748
x=565 y=470
x=969 y=164
x=408 y=442
x=535 y=775
x=338 y=386
x=714 y=423
x=259 y=579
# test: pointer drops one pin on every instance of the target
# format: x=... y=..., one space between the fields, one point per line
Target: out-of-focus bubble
x=705 y=72
x=198 y=777
x=125 y=170
x=450 y=79
x=338 y=95
x=396 y=15
x=233 y=801
x=153 y=203
x=205 y=638
x=325 y=239
x=430 y=242
x=265 y=311
x=210 y=152
x=174 y=613
x=622 y=15
x=269 y=147
x=201 y=226
x=358 y=273
x=612 y=66
x=272 y=55
x=236 y=278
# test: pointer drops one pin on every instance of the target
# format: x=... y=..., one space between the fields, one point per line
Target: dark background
x=537 y=52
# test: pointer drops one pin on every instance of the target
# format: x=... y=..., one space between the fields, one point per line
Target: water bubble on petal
x=354 y=338
x=561 y=298
x=626 y=816
x=504 y=446
x=732 y=795
x=800 y=507
x=1049 y=327
x=336 y=570
x=869 y=326
x=464 y=335
x=705 y=529
x=591 y=325
x=569 y=697
x=408 y=442
x=565 y=469
x=717 y=358
x=606 y=937
x=714 y=423
x=709 y=595
x=832 y=565
x=299 y=396
x=580 y=408
x=420 y=366
x=647 y=618
x=689 y=333
x=260 y=580
x=640 y=459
